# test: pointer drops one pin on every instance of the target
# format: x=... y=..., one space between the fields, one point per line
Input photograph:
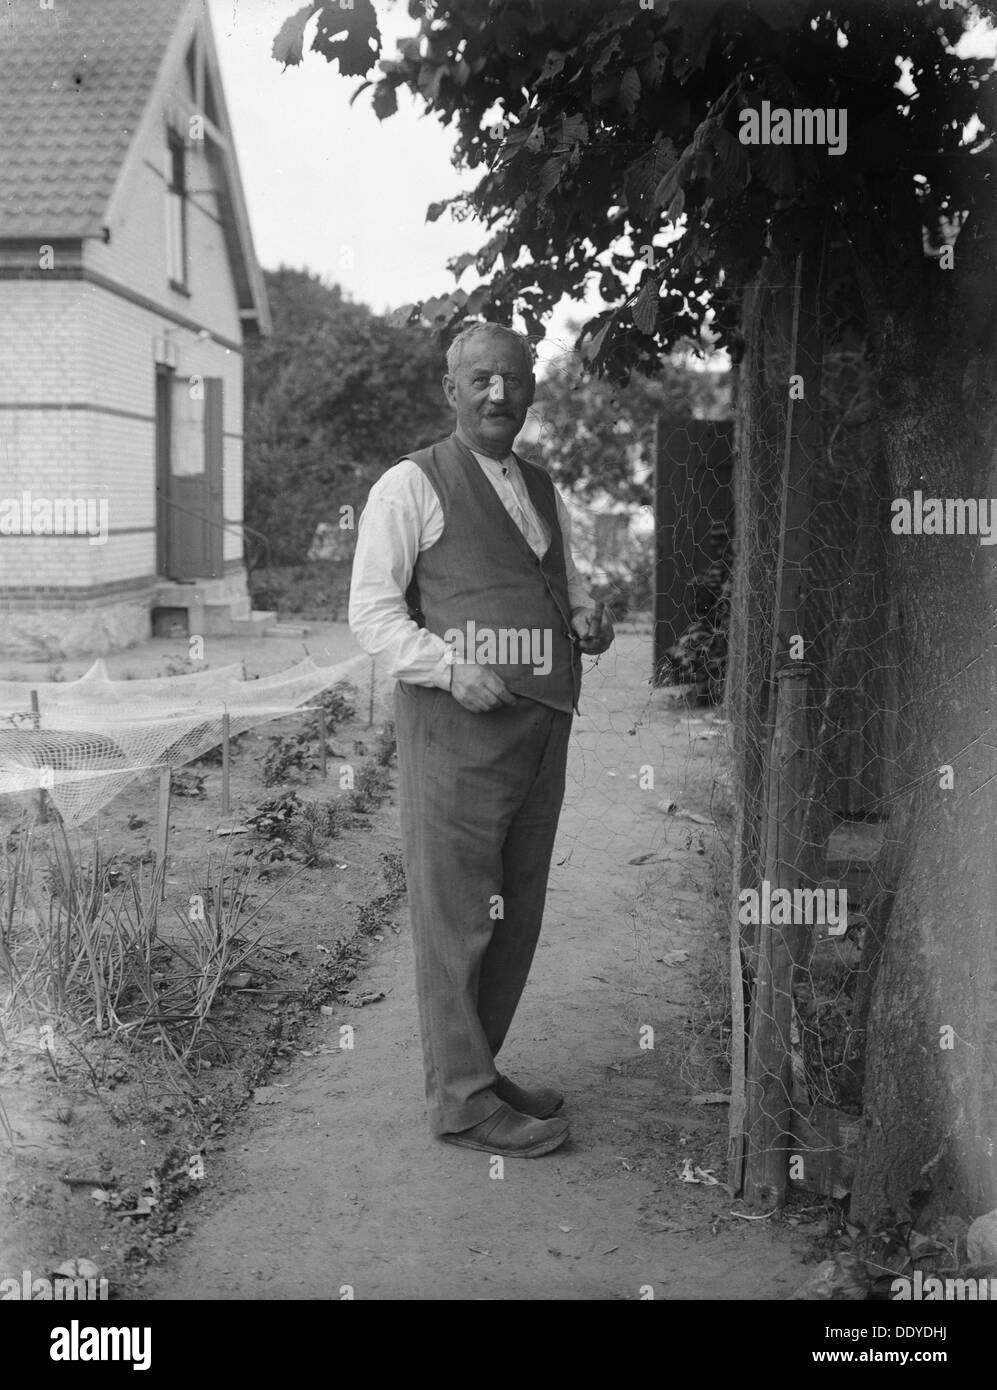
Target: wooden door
x=189 y=469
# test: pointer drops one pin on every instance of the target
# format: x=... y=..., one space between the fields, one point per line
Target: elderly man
x=463 y=580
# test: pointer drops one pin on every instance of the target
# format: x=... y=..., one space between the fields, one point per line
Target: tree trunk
x=926 y=1150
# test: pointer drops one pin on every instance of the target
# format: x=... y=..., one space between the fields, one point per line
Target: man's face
x=491 y=391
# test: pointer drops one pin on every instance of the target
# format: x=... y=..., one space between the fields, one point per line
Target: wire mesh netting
x=814 y=719
x=84 y=741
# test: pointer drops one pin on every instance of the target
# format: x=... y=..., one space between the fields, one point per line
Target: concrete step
x=253 y=626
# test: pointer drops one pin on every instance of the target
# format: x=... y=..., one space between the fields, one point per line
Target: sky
x=331 y=188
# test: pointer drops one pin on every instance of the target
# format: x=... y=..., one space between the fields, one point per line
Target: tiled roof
x=74 y=81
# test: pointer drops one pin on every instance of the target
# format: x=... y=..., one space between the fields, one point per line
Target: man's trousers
x=480 y=799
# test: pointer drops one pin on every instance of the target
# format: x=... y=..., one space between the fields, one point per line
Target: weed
x=338 y=705
x=370 y=789
x=320 y=822
x=287 y=751
x=386 y=744
x=274 y=821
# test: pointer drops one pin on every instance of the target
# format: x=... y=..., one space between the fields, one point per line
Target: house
x=128 y=288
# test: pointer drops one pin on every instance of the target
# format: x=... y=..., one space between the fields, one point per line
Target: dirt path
x=340 y=1184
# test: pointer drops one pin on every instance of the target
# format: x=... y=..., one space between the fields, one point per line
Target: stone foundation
x=71 y=630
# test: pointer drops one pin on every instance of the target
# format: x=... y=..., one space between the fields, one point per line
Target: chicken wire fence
x=815 y=725
x=773 y=600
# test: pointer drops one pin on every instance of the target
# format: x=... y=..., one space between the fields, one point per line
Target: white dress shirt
x=402 y=518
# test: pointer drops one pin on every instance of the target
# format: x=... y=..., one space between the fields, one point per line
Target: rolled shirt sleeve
x=391 y=533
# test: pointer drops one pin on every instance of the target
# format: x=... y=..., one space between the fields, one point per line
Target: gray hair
x=455 y=352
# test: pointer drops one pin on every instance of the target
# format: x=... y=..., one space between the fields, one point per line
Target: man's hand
x=594 y=630
x=478 y=689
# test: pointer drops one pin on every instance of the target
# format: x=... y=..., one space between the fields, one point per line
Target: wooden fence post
x=163 y=828
x=36 y=723
x=768 y=1086
x=226 y=761
x=781 y=947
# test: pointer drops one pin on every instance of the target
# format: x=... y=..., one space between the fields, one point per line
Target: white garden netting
x=91 y=737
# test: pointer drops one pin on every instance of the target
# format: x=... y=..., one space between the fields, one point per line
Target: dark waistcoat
x=482 y=570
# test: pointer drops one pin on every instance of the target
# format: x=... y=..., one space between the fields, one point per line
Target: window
x=176 y=212
x=187 y=430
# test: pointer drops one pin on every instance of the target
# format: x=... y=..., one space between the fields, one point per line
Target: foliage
x=333 y=397
x=287 y=751
x=318 y=589
x=597 y=436
x=338 y=705
x=602 y=124
x=88 y=947
x=699 y=657
x=319 y=822
x=372 y=785
x=386 y=744
x=274 y=820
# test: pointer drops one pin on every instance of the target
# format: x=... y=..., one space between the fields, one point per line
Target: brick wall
x=91 y=353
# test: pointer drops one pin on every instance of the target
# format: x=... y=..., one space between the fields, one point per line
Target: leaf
x=519 y=136
x=356 y=1000
x=459 y=264
x=604 y=90
x=669 y=185
x=289 y=43
x=442 y=307
x=436 y=210
x=645 y=307
x=652 y=68
x=550 y=175
x=642 y=179
x=629 y=90
x=477 y=300
x=774 y=164
x=591 y=348
x=574 y=130
x=384 y=101
x=602 y=62
x=352 y=37
x=781 y=14
x=610 y=285
x=674 y=957
x=552 y=66
x=695 y=19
